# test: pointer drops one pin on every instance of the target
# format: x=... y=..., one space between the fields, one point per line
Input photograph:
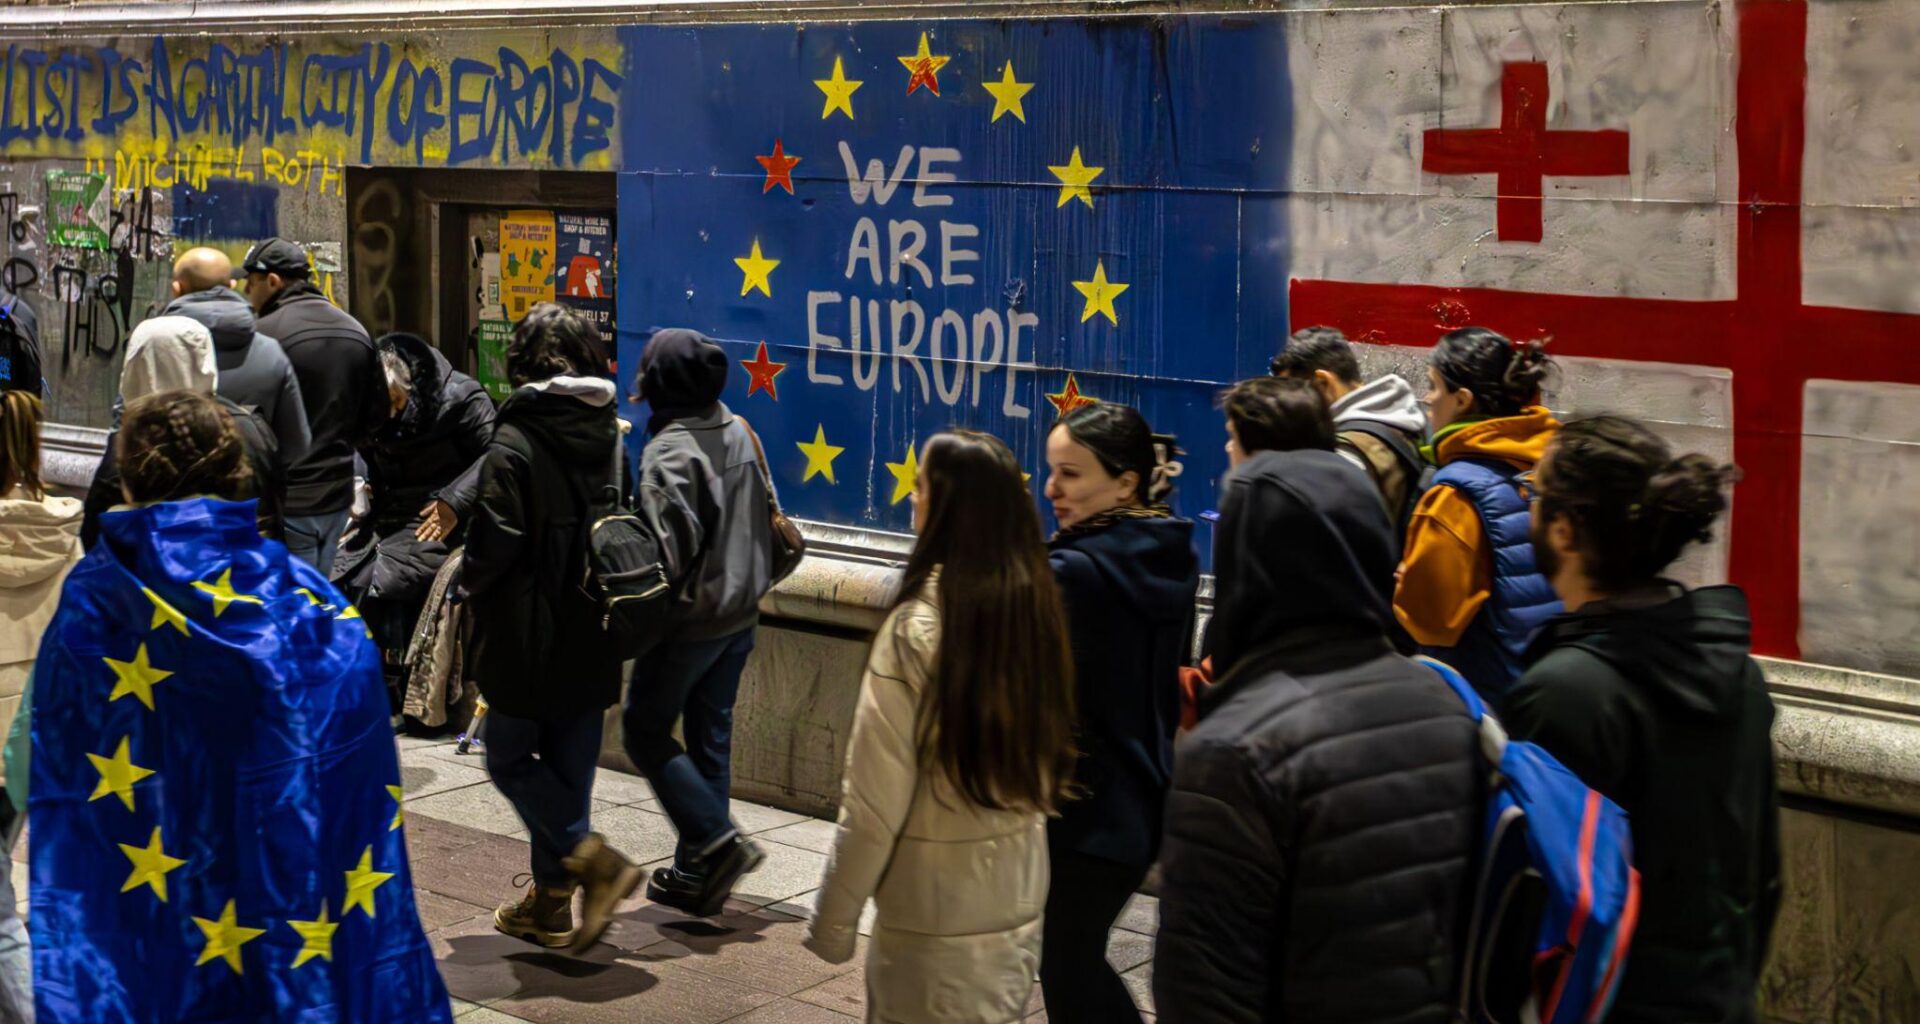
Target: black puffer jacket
x=1652 y=699
x=1326 y=809
x=431 y=450
x=538 y=651
x=341 y=388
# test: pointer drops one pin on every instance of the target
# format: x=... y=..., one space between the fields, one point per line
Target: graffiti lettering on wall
x=19 y=269
x=97 y=290
x=540 y=104
x=198 y=166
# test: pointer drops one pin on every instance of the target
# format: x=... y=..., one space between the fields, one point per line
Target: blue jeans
x=545 y=769
x=315 y=539
x=695 y=682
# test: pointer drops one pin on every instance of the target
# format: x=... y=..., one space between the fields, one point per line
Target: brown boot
x=543 y=916
x=606 y=877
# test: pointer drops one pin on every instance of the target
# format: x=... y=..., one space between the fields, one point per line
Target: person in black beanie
x=704 y=491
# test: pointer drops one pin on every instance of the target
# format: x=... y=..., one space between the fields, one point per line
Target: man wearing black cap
x=340 y=383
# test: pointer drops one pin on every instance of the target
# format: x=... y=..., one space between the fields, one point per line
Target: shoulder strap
x=1390 y=437
x=760 y=460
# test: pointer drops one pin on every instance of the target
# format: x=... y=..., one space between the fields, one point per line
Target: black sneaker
x=702 y=888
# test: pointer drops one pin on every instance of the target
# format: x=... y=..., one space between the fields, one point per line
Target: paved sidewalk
x=655 y=964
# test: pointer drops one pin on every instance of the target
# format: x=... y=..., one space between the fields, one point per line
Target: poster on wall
x=492 y=347
x=586 y=255
x=77 y=205
x=527 y=260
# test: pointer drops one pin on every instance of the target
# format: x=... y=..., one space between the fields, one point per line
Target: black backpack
x=19 y=347
x=625 y=569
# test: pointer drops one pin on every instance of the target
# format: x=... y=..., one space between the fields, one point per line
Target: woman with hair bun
x=1468 y=591
x=1646 y=690
x=1128 y=574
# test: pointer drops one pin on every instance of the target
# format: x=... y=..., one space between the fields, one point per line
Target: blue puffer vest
x=1522 y=601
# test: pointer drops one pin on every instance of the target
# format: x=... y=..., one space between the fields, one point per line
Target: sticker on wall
x=527 y=260
x=586 y=252
x=325 y=256
x=77 y=205
x=490 y=308
x=492 y=345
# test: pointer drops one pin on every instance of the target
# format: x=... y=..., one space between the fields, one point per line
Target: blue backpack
x=1557 y=897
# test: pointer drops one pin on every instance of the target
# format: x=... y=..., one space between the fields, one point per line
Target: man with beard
x=1646 y=690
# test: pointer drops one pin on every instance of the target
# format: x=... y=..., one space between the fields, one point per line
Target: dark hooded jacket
x=341 y=388
x=430 y=451
x=1652 y=699
x=254 y=371
x=1129 y=590
x=19 y=345
x=702 y=489
x=1326 y=809
x=538 y=651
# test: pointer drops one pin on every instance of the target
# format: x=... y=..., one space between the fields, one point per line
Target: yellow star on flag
x=754 y=269
x=399 y=813
x=117 y=774
x=361 y=882
x=136 y=677
x=316 y=937
x=150 y=866
x=839 y=90
x=1007 y=94
x=312 y=598
x=1074 y=179
x=223 y=593
x=820 y=455
x=225 y=937
x=354 y=613
x=904 y=475
x=1100 y=294
x=165 y=614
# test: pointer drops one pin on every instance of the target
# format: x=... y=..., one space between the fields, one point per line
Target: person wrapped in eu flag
x=215 y=795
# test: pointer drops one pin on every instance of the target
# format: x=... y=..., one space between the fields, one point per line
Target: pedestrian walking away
x=1379 y=422
x=253 y=369
x=552 y=448
x=175 y=353
x=1469 y=593
x=1128 y=576
x=341 y=389
x=42 y=545
x=961 y=748
x=1327 y=808
x=705 y=493
x=1648 y=691
x=234 y=796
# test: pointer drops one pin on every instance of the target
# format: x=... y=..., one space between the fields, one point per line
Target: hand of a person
x=437 y=521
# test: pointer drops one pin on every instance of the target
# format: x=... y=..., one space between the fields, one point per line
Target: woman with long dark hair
x=961 y=748
x=1469 y=592
x=1128 y=573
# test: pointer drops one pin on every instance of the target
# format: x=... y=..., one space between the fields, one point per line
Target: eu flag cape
x=214 y=806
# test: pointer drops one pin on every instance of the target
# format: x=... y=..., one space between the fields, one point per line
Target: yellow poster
x=526 y=260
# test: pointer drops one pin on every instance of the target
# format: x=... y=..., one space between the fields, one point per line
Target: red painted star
x=923 y=67
x=1069 y=398
x=761 y=372
x=779 y=169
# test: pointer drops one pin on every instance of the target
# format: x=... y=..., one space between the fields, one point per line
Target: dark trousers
x=1084 y=899
x=695 y=683
x=545 y=769
x=316 y=539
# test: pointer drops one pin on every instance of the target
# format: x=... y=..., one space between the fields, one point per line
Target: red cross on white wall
x=1759 y=335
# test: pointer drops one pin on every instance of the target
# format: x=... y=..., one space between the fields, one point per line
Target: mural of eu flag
x=214 y=809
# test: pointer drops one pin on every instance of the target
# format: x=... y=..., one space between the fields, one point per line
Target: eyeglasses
x=1528 y=487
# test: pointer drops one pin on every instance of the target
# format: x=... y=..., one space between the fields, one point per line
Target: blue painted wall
x=1188 y=117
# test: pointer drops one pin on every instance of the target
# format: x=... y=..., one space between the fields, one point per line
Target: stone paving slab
x=654 y=964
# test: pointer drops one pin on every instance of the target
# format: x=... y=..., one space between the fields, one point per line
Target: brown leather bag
x=789 y=547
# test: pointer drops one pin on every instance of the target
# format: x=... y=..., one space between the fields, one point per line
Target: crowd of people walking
x=284 y=484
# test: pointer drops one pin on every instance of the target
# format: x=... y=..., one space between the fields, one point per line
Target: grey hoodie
x=1387 y=400
x=254 y=372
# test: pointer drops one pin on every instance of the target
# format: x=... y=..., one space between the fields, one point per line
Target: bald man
x=253 y=371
